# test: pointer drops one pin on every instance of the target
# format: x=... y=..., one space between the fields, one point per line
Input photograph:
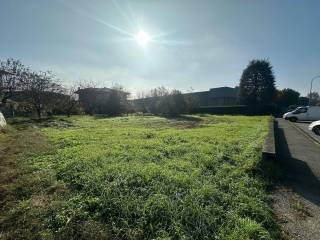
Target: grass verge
x=196 y=177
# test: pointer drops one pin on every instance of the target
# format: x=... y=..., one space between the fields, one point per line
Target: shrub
x=161 y=101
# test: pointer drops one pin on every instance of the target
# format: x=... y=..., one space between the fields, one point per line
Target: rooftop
x=223 y=92
x=98 y=90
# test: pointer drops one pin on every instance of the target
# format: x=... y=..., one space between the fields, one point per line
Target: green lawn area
x=137 y=177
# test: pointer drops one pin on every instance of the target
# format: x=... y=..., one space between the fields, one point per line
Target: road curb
x=306 y=134
x=269 y=147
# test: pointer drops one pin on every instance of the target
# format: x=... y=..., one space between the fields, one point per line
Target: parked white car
x=315 y=127
x=303 y=114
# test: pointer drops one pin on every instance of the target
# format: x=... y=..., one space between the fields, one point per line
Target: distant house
x=100 y=101
x=97 y=93
x=222 y=96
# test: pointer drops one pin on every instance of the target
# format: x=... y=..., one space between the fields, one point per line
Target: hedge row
x=237 y=110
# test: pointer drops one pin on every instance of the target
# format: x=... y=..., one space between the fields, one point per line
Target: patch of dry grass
x=18 y=182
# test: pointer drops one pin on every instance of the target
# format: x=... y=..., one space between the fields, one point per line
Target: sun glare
x=142 y=38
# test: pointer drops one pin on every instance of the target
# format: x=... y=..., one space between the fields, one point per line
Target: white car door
x=303 y=114
x=308 y=115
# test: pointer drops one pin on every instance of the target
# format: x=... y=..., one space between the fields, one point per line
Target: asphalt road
x=304 y=126
x=297 y=194
x=296 y=145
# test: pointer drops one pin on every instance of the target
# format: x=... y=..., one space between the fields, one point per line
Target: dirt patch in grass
x=17 y=181
x=181 y=122
x=56 y=122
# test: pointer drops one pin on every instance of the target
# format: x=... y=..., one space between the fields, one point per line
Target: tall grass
x=156 y=178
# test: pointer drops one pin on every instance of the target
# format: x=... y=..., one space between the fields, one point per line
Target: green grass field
x=195 y=177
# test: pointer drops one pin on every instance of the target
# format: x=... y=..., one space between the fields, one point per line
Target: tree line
x=22 y=89
x=257 y=88
x=41 y=92
x=162 y=101
x=26 y=90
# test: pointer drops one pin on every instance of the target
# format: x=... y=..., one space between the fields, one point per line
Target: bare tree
x=70 y=100
x=110 y=101
x=87 y=97
x=314 y=98
x=12 y=73
x=162 y=101
x=118 y=101
x=42 y=90
x=140 y=95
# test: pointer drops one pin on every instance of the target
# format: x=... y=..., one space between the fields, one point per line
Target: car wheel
x=316 y=130
x=293 y=119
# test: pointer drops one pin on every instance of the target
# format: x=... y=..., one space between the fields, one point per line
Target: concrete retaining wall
x=269 y=147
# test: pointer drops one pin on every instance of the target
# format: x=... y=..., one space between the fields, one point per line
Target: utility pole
x=311 y=88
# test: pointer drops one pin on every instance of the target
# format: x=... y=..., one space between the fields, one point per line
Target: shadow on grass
x=22 y=123
x=183 y=118
x=295 y=173
x=15 y=121
x=102 y=116
x=178 y=118
x=173 y=117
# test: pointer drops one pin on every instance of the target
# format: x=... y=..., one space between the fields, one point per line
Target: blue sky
x=197 y=44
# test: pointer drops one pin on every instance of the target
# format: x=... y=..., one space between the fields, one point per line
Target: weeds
x=154 y=178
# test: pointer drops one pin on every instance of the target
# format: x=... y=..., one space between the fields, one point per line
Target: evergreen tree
x=257 y=84
x=287 y=97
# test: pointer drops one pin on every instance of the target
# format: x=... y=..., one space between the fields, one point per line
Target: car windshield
x=300 y=110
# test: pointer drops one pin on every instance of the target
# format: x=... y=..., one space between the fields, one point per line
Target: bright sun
x=142 y=38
